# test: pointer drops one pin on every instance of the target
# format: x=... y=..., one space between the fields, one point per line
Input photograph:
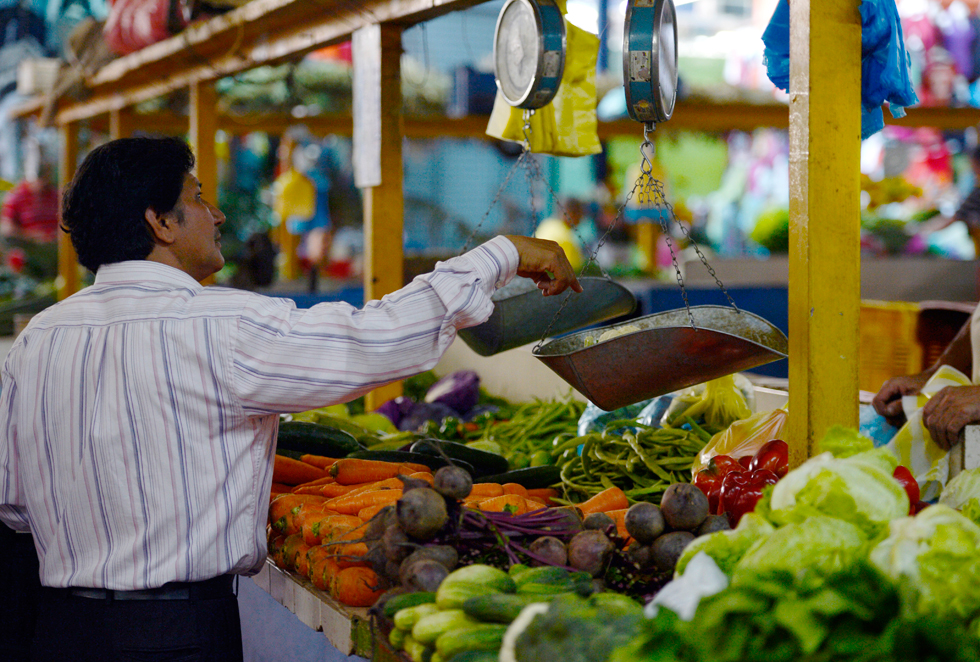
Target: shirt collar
x=145 y=272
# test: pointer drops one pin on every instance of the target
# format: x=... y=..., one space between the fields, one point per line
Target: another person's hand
x=888 y=401
x=949 y=411
x=544 y=262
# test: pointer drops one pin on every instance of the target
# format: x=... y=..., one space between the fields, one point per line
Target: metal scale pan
x=664 y=354
x=521 y=314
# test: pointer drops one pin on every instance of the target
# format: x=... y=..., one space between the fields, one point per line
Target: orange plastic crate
x=889 y=345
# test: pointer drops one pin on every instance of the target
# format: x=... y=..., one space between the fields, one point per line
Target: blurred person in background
x=29 y=220
x=968 y=211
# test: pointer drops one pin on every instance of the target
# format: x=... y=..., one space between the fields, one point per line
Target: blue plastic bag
x=884 y=61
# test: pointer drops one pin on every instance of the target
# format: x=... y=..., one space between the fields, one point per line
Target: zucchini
x=315 y=439
x=398 y=602
x=431 y=627
x=486 y=637
x=530 y=477
x=405 y=619
x=474 y=656
x=500 y=608
x=483 y=462
x=406 y=456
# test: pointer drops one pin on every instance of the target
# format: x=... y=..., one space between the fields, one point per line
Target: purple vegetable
x=459 y=390
x=396 y=408
x=480 y=409
x=425 y=411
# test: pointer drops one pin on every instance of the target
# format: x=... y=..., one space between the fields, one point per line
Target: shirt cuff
x=495 y=261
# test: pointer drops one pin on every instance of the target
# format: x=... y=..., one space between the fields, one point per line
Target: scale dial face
x=650 y=59
x=529 y=52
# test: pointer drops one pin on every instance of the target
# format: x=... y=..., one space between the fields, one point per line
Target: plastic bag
x=884 y=61
x=913 y=445
x=720 y=404
x=743 y=437
x=568 y=125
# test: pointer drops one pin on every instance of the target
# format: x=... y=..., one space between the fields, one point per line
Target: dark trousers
x=19 y=587
x=84 y=629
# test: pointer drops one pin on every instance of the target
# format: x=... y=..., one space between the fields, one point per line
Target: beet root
x=551 y=549
x=644 y=522
x=421 y=513
x=588 y=551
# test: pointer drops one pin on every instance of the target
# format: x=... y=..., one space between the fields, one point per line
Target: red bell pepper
x=744 y=461
x=709 y=479
x=740 y=491
x=909 y=484
x=774 y=456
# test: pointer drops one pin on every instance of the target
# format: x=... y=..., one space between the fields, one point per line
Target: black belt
x=209 y=589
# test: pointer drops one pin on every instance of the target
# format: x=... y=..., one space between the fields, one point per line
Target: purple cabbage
x=422 y=412
x=480 y=409
x=396 y=408
x=459 y=390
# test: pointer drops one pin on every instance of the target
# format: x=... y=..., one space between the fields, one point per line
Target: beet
x=444 y=554
x=409 y=483
x=396 y=544
x=421 y=513
x=644 y=522
x=422 y=575
x=668 y=548
x=639 y=555
x=713 y=523
x=453 y=482
x=377 y=525
x=551 y=549
x=598 y=522
x=684 y=506
x=588 y=551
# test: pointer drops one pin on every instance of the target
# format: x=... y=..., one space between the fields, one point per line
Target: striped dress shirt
x=138 y=417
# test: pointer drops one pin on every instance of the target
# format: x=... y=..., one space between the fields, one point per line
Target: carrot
x=279 y=488
x=514 y=504
x=514 y=488
x=283 y=504
x=323 y=573
x=329 y=490
x=357 y=587
x=369 y=512
x=314 y=483
x=387 y=484
x=318 y=529
x=317 y=460
x=619 y=516
x=545 y=494
x=487 y=489
x=351 y=471
x=535 y=504
x=292 y=522
x=350 y=504
x=293 y=472
x=612 y=498
x=424 y=475
x=292 y=547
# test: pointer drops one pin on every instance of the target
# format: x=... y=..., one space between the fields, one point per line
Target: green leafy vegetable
x=727 y=547
x=842 y=442
x=825 y=544
x=961 y=488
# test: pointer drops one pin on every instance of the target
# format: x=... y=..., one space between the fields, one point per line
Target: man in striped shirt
x=138 y=417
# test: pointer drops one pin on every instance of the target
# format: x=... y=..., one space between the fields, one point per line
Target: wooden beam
x=121 y=122
x=203 y=126
x=258 y=33
x=824 y=253
x=68 y=281
x=377 y=148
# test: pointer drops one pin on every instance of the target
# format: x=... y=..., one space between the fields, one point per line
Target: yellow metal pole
x=68 y=281
x=120 y=123
x=378 y=165
x=824 y=257
x=203 y=125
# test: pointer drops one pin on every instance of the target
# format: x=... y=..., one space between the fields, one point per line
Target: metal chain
x=493 y=203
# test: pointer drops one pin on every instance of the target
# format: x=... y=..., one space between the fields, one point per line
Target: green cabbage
x=727 y=547
x=938 y=551
x=823 y=544
x=858 y=489
x=960 y=489
x=844 y=442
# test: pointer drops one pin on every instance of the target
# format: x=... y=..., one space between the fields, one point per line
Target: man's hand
x=949 y=411
x=544 y=262
x=888 y=401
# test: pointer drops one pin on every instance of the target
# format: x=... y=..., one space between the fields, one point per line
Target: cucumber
x=474 y=656
x=487 y=637
x=405 y=619
x=545 y=574
x=501 y=607
x=453 y=596
x=483 y=462
x=530 y=477
x=431 y=627
x=494 y=579
x=315 y=439
x=398 y=602
x=430 y=461
x=397 y=638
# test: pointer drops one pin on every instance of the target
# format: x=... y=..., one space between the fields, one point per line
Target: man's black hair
x=105 y=204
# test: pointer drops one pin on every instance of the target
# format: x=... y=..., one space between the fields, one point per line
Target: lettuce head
x=960 y=489
x=938 y=553
x=858 y=489
x=824 y=544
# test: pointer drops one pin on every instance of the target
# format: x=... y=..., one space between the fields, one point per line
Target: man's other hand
x=888 y=401
x=544 y=262
x=949 y=411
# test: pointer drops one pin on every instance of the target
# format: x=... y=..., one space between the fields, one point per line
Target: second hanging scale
x=644 y=357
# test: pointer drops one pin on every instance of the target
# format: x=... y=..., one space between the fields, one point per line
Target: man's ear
x=161 y=226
